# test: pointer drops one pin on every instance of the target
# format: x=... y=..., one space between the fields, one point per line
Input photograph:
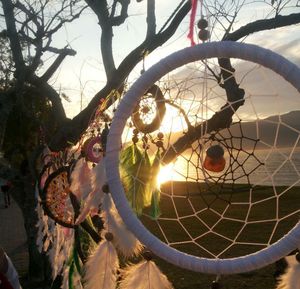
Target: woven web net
x=255 y=199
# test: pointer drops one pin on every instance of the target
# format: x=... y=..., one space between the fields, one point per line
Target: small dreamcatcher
x=149 y=113
x=56 y=198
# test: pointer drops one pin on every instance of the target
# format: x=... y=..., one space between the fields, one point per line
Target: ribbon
x=192 y=21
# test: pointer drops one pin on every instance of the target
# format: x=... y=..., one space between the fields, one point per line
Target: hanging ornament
x=140 y=112
x=144 y=275
x=203 y=33
x=102 y=266
x=56 y=198
x=214 y=160
x=92 y=149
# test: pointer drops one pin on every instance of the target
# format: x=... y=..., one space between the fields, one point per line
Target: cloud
x=267 y=93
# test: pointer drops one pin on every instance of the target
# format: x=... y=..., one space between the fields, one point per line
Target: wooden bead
x=215 y=151
x=204 y=35
x=109 y=236
x=105 y=188
x=159 y=144
x=147 y=255
x=160 y=135
x=135 y=139
x=202 y=24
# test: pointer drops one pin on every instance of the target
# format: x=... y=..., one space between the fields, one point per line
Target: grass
x=223 y=221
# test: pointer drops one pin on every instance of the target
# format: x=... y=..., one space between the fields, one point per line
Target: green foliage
x=6 y=62
x=28 y=121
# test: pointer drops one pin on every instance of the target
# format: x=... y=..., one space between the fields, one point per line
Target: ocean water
x=278 y=167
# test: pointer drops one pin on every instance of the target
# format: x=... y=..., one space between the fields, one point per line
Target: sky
x=81 y=76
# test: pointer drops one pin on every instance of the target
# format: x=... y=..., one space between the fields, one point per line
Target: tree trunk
x=23 y=192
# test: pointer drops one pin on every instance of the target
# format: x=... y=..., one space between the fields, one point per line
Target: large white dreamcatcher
x=213 y=193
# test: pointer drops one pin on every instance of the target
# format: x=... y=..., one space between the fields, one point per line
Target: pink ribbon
x=192 y=21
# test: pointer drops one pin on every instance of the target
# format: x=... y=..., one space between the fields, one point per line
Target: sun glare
x=165 y=174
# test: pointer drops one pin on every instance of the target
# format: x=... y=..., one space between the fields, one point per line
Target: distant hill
x=280 y=131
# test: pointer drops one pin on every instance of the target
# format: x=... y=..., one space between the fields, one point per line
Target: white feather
x=94 y=199
x=291 y=278
x=124 y=240
x=145 y=275
x=65 y=281
x=101 y=267
x=98 y=177
x=81 y=179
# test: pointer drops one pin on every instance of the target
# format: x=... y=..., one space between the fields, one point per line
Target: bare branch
x=261 y=25
x=120 y=19
x=62 y=22
x=100 y=8
x=78 y=124
x=57 y=62
x=151 y=20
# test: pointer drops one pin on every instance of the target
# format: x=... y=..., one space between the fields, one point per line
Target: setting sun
x=165 y=174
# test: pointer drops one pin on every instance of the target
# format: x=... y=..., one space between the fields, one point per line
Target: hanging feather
x=126 y=243
x=135 y=173
x=145 y=275
x=155 y=209
x=155 y=198
x=101 y=267
x=94 y=199
x=291 y=278
x=65 y=275
x=60 y=250
x=81 y=180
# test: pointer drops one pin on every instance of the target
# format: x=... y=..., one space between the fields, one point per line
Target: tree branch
x=49 y=92
x=120 y=19
x=73 y=130
x=100 y=8
x=235 y=95
x=13 y=36
x=261 y=25
x=57 y=62
x=151 y=20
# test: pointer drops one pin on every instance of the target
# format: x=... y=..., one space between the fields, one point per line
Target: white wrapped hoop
x=264 y=57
